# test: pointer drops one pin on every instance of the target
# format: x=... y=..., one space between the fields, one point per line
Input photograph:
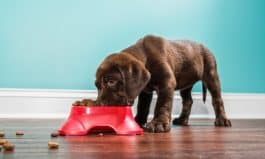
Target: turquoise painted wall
x=58 y=44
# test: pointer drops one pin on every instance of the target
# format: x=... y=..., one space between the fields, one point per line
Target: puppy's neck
x=137 y=56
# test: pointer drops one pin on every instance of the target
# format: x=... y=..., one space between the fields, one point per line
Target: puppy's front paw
x=223 y=122
x=158 y=126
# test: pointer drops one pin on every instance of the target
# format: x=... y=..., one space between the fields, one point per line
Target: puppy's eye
x=111 y=83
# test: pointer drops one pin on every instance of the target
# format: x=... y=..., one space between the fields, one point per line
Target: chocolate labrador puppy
x=157 y=64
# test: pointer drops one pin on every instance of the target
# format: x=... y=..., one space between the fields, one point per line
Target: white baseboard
x=46 y=103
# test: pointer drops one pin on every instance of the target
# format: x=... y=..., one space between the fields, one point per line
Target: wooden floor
x=246 y=139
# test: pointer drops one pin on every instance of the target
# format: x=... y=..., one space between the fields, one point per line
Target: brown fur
x=156 y=64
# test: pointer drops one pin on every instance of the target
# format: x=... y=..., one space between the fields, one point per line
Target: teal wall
x=58 y=44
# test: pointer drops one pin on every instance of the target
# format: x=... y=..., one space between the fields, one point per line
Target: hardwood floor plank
x=246 y=139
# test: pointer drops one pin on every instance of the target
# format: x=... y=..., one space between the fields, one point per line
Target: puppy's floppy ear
x=136 y=77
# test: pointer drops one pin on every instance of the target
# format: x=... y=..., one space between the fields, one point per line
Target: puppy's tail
x=204 y=92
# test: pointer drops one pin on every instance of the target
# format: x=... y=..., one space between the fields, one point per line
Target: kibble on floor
x=54 y=134
x=3 y=141
x=8 y=147
x=53 y=145
x=19 y=133
x=2 y=134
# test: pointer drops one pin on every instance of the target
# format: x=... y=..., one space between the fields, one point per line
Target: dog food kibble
x=53 y=145
x=19 y=133
x=77 y=103
x=3 y=141
x=54 y=134
x=85 y=102
x=8 y=147
x=2 y=134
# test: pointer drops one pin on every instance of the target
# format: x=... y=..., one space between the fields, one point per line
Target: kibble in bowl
x=85 y=102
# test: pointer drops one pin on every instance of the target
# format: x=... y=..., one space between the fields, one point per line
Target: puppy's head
x=119 y=79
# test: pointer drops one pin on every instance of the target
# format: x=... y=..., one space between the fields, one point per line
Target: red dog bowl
x=83 y=120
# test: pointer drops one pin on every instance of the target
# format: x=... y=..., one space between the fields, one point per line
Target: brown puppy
x=156 y=64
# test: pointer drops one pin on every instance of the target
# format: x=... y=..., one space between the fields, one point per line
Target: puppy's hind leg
x=186 y=107
x=213 y=84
